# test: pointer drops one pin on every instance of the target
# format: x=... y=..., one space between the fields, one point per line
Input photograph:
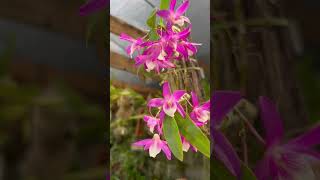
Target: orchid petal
x=166 y=150
x=172 y=5
x=170 y=108
x=156 y=102
x=178 y=94
x=182 y=8
x=154 y=150
x=155 y=147
x=226 y=153
x=206 y=105
x=126 y=37
x=309 y=139
x=195 y=101
x=166 y=90
x=164 y=13
x=181 y=110
x=142 y=142
x=222 y=102
x=185 y=146
x=271 y=120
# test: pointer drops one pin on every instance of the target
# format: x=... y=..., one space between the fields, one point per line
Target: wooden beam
x=123 y=63
x=117 y=26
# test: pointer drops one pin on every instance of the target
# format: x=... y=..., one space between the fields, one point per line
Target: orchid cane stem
x=251 y=128
x=245 y=146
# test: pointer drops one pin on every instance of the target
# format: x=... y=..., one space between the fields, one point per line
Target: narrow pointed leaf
x=151 y=22
x=164 y=4
x=171 y=133
x=193 y=134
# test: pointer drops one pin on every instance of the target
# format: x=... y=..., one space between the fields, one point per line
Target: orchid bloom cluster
x=170 y=104
x=171 y=42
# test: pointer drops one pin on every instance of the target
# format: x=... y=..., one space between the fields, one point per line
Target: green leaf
x=151 y=22
x=247 y=174
x=219 y=171
x=171 y=133
x=153 y=35
x=164 y=4
x=193 y=134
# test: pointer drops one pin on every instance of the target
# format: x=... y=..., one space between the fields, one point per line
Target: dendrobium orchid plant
x=175 y=122
x=166 y=44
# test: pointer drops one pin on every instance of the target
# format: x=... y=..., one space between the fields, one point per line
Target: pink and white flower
x=200 y=113
x=136 y=44
x=175 y=18
x=154 y=145
x=170 y=102
x=152 y=122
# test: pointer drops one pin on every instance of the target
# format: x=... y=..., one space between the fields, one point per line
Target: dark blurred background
x=305 y=29
x=52 y=91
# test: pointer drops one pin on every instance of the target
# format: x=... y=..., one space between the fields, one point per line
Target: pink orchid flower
x=154 y=145
x=200 y=113
x=136 y=44
x=152 y=122
x=290 y=160
x=170 y=102
x=187 y=49
x=154 y=58
x=173 y=17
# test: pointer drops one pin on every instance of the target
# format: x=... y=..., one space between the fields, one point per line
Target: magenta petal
x=142 y=142
x=271 y=120
x=163 y=13
x=166 y=150
x=156 y=102
x=181 y=110
x=178 y=94
x=182 y=50
x=225 y=152
x=126 y=37
x=222 y=102
x=206 y=105
x=184 y=34
x=182 y=8
x=195 y=100
x=172 y=4
x=166 y=90
x=263 y=168
x=308 y=139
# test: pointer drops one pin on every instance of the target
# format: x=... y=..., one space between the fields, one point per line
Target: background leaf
x=193 y=134
x=219 y=171
x=247 y=174
x=171 y=133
